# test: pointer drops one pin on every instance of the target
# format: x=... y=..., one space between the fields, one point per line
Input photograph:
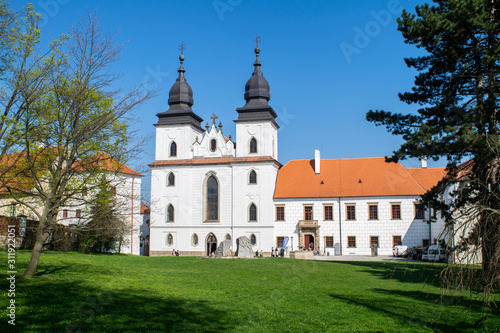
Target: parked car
x=399 y=250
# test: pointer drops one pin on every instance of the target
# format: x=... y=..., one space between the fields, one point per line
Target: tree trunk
x=41 y=236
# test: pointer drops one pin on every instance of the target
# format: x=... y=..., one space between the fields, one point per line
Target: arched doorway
x=211 y=244
x=309 y=242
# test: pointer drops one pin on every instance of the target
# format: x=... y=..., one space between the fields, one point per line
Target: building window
x=351 y=241
x=396 y=211
x=373 y=212
x=279 y=241
x=280 y=213
x=212 y=200
x=170 y=213
x=253 y=239
x=328 y=212
x=253 y=145
x=228 y=237
x=350 y=212
x=419 y=212
x=252 y=177
x=252 y=213
x=171 y=179
x=396 y=240
x=113 y=190
x=328 y=241
x=373 y=241
x=170 y=240
x=308 y=213
x=213 y=145
x=78 y=213
x=173 y=149
x=195 y=239
x=65 y=213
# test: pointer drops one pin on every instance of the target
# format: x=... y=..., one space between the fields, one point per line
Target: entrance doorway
x=211 y=244
x=309 y=242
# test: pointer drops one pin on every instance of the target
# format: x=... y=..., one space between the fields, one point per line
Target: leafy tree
x=457 y=89
x=76 y=131
x=105 y=230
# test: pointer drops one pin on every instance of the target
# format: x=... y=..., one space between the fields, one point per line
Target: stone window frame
x=372 y=204
x=347 y=206
x=325 y=205
x=327 y=240
x=305 y=212
x=394 y=240
x=371 y=241
x=393 y=205
x=351 y=239
x=276 y=210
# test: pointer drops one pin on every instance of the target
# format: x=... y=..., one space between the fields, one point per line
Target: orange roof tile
x=215 y=161
x=427 y=178
x=105 y=162
x=360 y=177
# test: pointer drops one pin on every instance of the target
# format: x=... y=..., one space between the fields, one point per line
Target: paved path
x=360 y=258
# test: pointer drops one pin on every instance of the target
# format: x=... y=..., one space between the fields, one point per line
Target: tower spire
x=180 y=100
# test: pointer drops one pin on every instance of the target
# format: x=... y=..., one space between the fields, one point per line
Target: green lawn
x=75 y=292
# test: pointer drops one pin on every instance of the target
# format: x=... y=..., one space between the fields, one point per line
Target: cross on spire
x=213 y=118
x=182 y=47
x=257 y=40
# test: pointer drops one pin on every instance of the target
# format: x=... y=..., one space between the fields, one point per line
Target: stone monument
x=224 y=249
x=244 y=249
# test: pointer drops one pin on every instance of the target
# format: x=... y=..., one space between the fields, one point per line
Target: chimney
x=423 y=162
x=317 y=161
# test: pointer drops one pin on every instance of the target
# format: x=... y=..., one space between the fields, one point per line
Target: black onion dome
x=181 y=92
x=180 y=100
x=257 y=86
x=257 y=97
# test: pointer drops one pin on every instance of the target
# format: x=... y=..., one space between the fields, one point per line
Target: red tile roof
x=223 y=160
x=360 y=177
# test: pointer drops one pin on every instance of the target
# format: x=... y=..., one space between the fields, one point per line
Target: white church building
x=206 y=188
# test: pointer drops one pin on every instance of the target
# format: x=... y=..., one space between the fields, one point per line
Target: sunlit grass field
x=75 y=292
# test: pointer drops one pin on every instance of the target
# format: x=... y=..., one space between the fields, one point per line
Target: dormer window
x=253 y=146
x=173 y=149
x=213 y=145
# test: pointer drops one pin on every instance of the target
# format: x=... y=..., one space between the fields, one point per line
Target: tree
x=457 y=89
x=23 y=73
x=105 y=230
x=75 y=132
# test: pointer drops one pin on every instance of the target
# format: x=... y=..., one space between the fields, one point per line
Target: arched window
x=252 y=213
x=253 y=145
x=252 y=177
x=228 y=237
x=213 y=145
x=173 y=149
x=170 y=239
x=195 y=239
x=170 y=213
x=253 y=239
x=171 y=179
x=212 y=199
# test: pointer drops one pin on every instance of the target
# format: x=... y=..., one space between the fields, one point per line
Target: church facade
x=206 y=187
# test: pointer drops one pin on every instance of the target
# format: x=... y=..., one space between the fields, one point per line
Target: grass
x=75 y=292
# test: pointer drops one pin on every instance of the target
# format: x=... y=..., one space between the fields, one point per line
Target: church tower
x=179 y=126
x=256 y=128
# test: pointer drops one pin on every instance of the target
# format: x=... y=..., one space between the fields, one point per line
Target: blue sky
x=327 y=62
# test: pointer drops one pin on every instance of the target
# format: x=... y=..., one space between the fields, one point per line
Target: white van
x=399 y=250
x=434 y=253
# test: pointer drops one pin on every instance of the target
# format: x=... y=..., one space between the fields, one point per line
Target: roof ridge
x=416 y=181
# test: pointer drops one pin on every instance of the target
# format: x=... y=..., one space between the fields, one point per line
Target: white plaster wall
x=264 y=132
x=183 y=135
x=411 y=231
x=235 y=197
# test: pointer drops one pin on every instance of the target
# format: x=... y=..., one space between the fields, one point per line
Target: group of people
x=278 y=252
x=175 y=253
